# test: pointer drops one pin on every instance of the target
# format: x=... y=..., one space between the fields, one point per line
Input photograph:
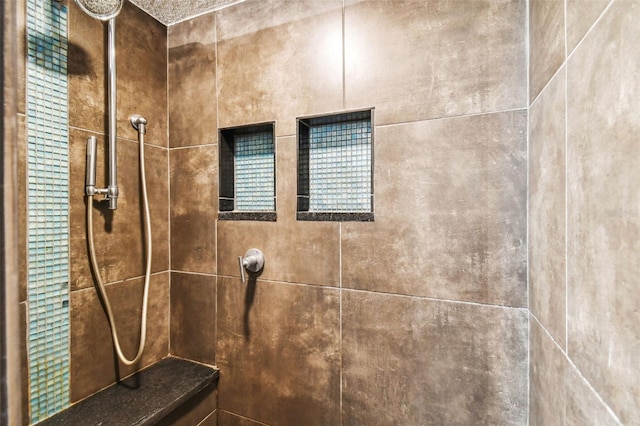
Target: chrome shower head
x=101 y=9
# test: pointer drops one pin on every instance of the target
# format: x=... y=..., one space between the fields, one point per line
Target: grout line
x=124 y=280
x=435 y=299
x=479 y=114
x=355 y=290
x=340 y=348
x=217 y=71
x=217 y=179
x=528 y=367
x=141 y=277
x=242 y=417
x=547 y=84
x=327 y=286
x=170 y=260
x=120 y=138
x=169 y=254
x=344 y=56
x=528 y=51
x=604 y=11
x=200 y=274
x=566 y=39
x=528 y=90
x=178 y=148
x=566 y=206
x=528 y=229
x=577 y=370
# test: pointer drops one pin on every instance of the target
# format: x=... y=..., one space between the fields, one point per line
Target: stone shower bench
x=143 y=398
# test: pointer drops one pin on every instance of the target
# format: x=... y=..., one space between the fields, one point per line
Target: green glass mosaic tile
x=254 y=172
x=335 y=163
x=47 y=216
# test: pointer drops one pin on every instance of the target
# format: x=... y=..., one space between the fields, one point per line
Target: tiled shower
x=495 y=281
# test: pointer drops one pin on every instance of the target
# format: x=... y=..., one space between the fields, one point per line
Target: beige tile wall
x=332 y=327
x=11 y=251
x=419 y=316
x=547 y=207
x=193 y=171
x=584 y=216
x=421 y=60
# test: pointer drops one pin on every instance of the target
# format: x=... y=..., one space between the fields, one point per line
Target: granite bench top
x=141 y=399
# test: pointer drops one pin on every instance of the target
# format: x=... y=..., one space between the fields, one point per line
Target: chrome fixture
x=107 y=10
x=112 y=189
x=139 y=123
x=90 y=177
x=253 y=261
x=101 y=9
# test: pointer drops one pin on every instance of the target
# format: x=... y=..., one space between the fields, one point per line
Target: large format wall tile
x=279 y=352
x=547 y=207
x=278 y=61
x=88 y=104
x=193 y=317
x=118 y=235
x=194 y=208
x=559 y=396
x=581 y=14
x=229 y=419
x=301 y=252
x=604 y=208
x=584 y=407
x=93 y=359
x=546 y=42
x=547 y=379
x=141 y=62
x=418 y=361
x=418 y=60
x=192 y=82
x=450 y=206
x=142 y=89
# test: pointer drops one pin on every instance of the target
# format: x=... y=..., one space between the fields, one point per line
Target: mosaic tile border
x=48 y=207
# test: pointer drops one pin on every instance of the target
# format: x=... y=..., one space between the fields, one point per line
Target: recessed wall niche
x=335 y=167
x=247 y=173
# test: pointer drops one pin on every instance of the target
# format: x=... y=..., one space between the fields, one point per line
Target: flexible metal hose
x=100 y=284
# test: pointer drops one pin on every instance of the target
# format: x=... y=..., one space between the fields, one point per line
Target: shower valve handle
x=253 y=261
x=241 y=264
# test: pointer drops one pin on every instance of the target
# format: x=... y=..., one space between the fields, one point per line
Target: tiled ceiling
x=171 y=11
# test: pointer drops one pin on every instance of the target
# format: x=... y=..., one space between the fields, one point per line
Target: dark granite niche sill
x=141 y=399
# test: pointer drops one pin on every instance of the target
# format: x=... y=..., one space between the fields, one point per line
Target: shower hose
x=100 y=284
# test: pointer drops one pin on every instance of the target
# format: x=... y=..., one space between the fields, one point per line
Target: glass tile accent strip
x=340 y=167
x=48 y=206
x=254 y=172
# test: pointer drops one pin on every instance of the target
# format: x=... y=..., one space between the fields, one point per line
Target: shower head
x=101 y=9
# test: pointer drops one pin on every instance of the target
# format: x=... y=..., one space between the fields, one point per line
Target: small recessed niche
x=335 y=167
x=247 y=173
